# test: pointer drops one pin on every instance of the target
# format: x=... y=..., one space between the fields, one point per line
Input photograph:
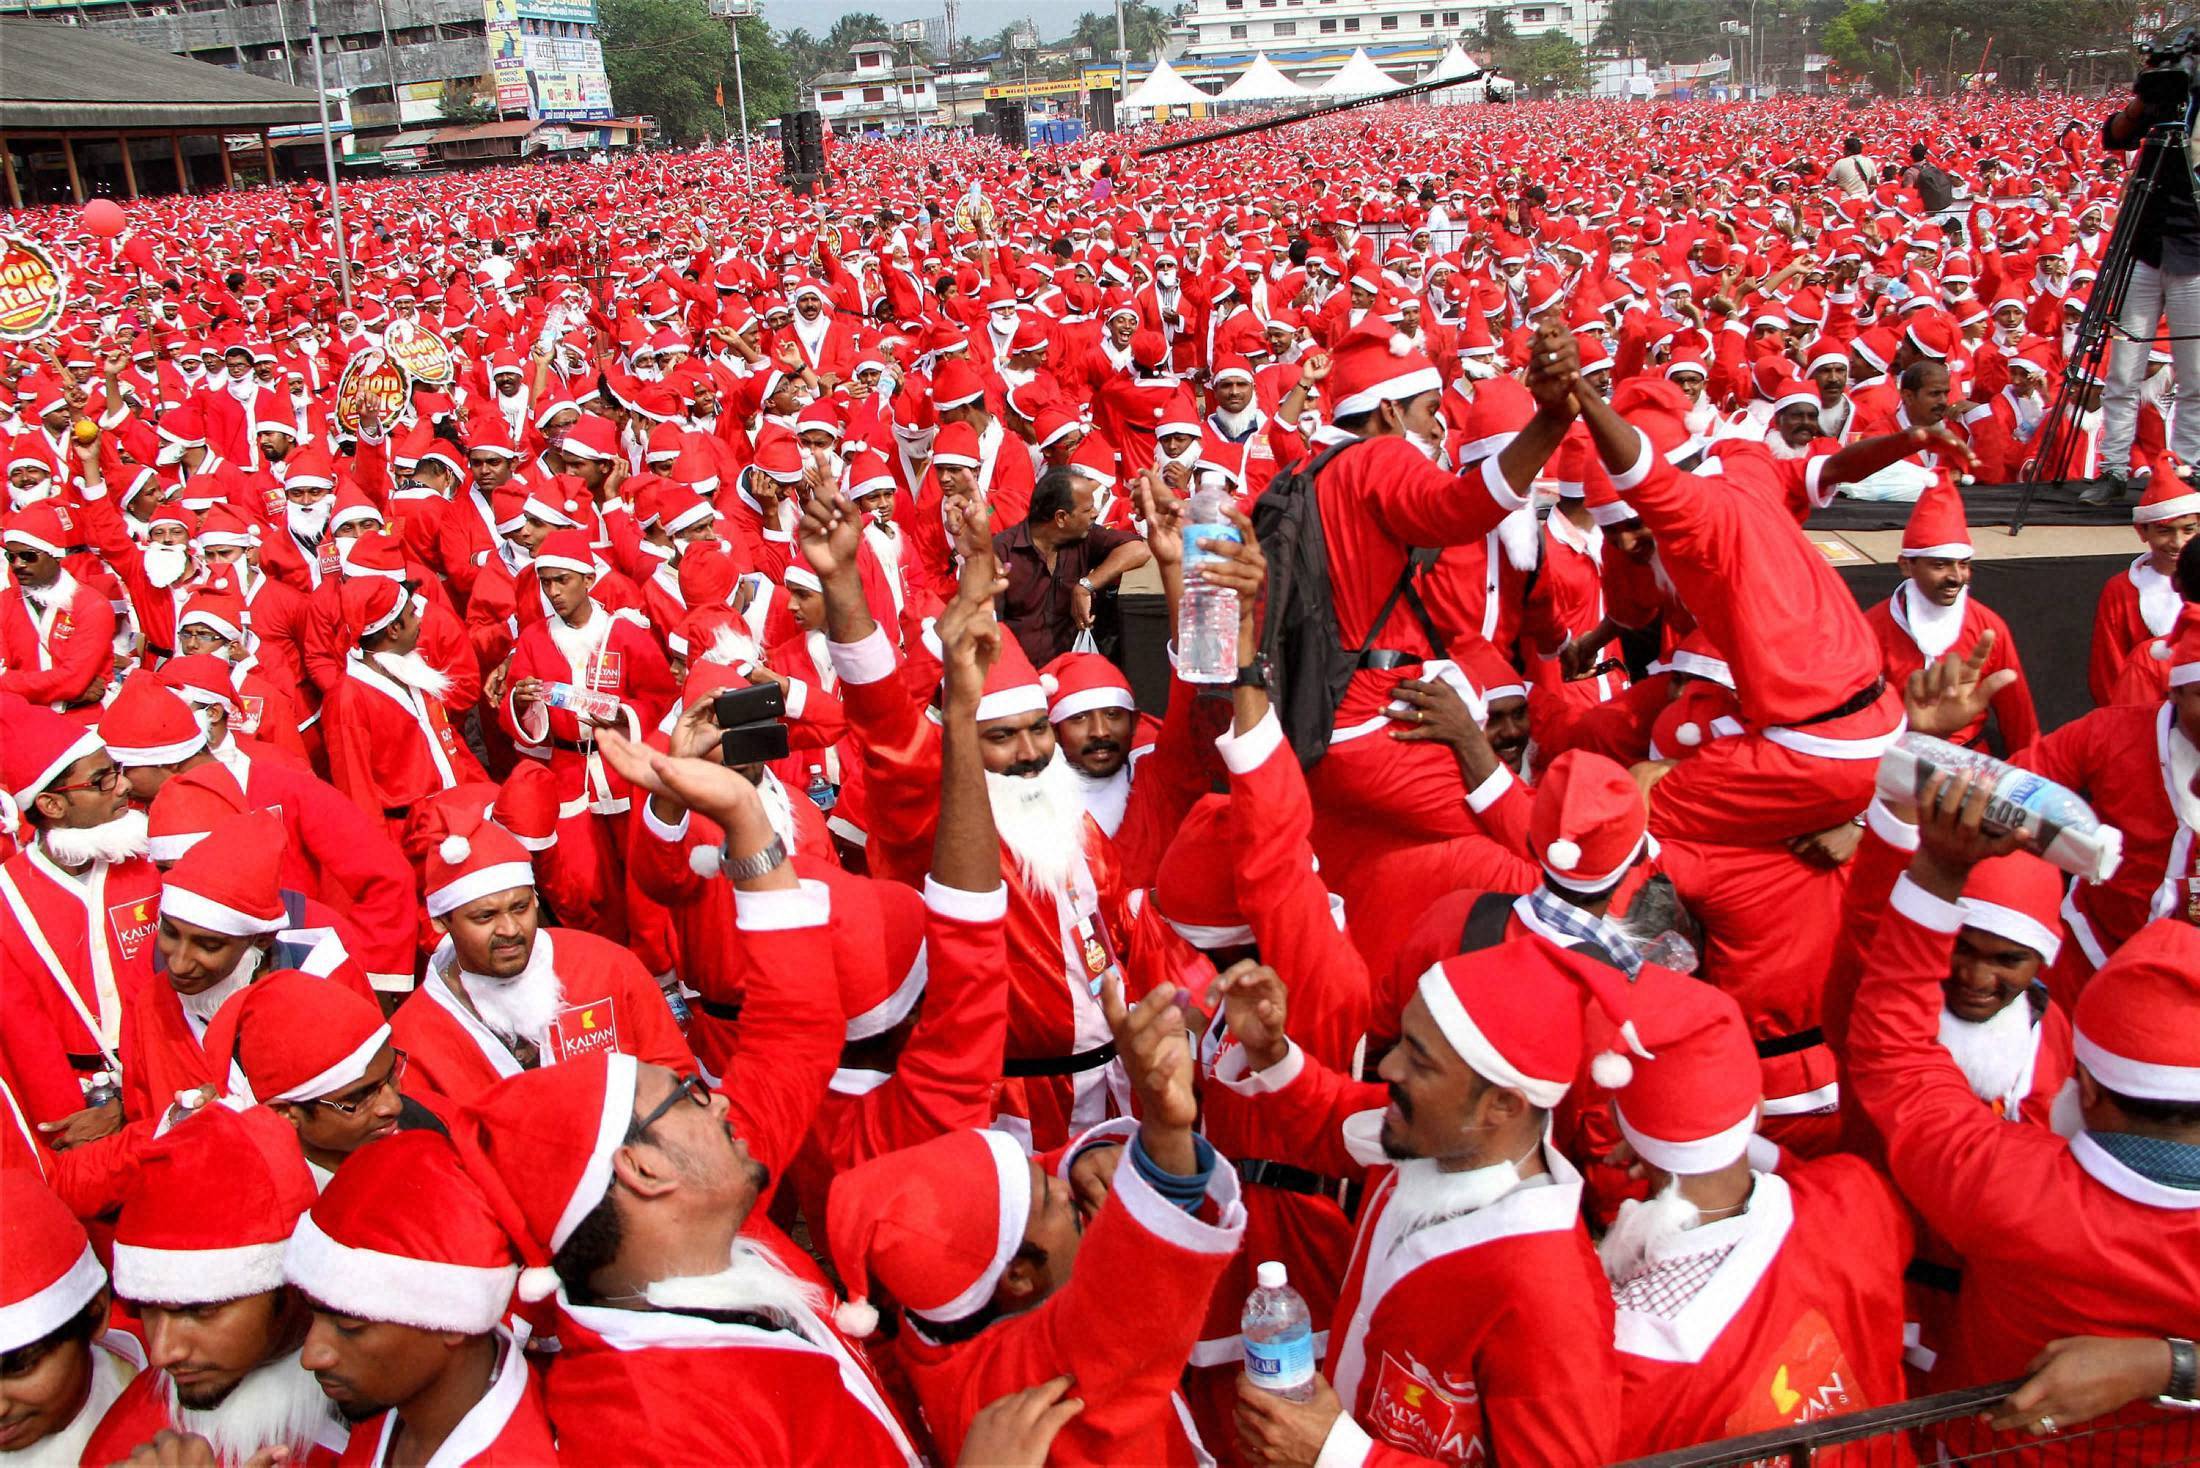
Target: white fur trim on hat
x=1204 y=936
x=204 y=912
x=1404 y=385
x=196 y=1276
x=368 y=1284
x=1108 y=696
x=1007 y=703
x=41 y=1313
x=157 y=754
x=2139 y=1079
x=1692 y=1156
x=475 y=885
x=172 y=848
x=2017 y=927
x=345 y=1073
x=1012 y=1179
x=1472 y=1046
x=895 y=1007
x=564 y=563
x=204 y=618
x=595 y=1180
x=2169 y=509
x=1954 y=550
x=25 y=538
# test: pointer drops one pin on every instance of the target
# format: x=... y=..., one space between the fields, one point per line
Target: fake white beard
x=1642 y=1228
x=165 y=565
x=201 y=1006
x=245 y=389
x=1189 y=459
x=119 y=840
x=1933 y=627
x=523 y=1006
x=1016 y=378
x=1700 y=418
x=1236 y=423
x=415 y=672
x=885 y=543
x=582 y=643
x=279 y=1403
x=1041 y=820
x=1427 y=1194
x=58 y=592
x=22 y=499
x=308 y=521
x=1521 y=534
x=754 y=1282
x=1991 y=1053
x=1776 y=444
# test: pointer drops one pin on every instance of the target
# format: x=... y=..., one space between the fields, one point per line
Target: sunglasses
x=389 y=1082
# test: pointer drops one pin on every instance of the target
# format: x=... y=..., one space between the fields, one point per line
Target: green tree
x=1662 y=31
x=461 y=107
x=669 y=58
x=1551 y=63
x=1145 y=31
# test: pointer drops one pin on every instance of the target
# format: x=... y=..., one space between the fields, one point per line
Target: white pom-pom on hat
x=1563 y=854
x=1611 y=1070
x=705 y=860
x=1400 y=344
x=2159 y=650
x=1689 y=735
x=454 y=849
x=1048 y=684
x=537 y=1284
x=857 y=1318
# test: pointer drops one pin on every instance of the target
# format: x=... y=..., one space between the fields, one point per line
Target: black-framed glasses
x=24 y=557
x=104 y=779
x=692 y=1087
x=390 y=1082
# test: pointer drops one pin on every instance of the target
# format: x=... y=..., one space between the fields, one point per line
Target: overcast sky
x=972 y=17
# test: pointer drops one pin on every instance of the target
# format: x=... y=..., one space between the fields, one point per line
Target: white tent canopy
x=1358 y=77
x=1455 y=65
x=1163 y=87
x=1261 y=82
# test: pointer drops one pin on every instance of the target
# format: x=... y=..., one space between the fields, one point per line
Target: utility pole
x=328 y=156
x=735 y=11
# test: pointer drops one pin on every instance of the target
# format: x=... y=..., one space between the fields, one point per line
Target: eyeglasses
x=104 y=779
x=390 y=1082
x=24 y=557
x=690 y=1086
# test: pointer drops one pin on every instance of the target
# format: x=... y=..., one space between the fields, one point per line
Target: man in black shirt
x=2165 y=282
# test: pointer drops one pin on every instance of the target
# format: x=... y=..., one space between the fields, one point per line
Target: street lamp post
x=328 y=154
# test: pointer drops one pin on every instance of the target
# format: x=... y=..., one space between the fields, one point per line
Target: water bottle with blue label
x=1279 y=1336
x=1207 y=617
x=2063 y=827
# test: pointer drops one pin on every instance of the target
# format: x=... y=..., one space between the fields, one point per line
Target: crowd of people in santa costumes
x=421 y=1042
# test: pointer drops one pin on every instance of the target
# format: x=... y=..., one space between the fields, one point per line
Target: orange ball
x=86 y=431
x=103 y=217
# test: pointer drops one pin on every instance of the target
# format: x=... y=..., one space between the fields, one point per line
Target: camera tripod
x=2060 y=432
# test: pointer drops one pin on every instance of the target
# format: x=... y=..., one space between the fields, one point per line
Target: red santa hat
x=935 y=1225
x=1936 y=525
x=566 y=550
x=541 y=1143
x=1084 y=681
x=474 y=858
x=2138 y=1022
x=1195 y=883
x=353 y=508
x=957 y=444
x=40 y=527
x=558 y=503
x=1792 y=392
x=36 y=745
x=527 y=805
x=1012 y=686
x=1517 y=1014
x=1500 y=408
x=1178 y=415
x=189 y=807
x=216 y=607
x=2181 y=649
x=148 y=724
x=1691 y=1106
x=591 y=438
x=778 y=455
x=201 y=680
x=1700 y=712
x=48 y=1273
x=212 y=1206
x=2170 y=494
x=956 y=384
x=1589 y=821
x=230 y=883
x=403 y=1235
x=294 y=1036
x=1374 y=365
x=222 y=526
x=370 y=604
x=879 y=950
x=2017 y=897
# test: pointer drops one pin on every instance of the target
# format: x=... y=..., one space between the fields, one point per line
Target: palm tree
x=1662 y=31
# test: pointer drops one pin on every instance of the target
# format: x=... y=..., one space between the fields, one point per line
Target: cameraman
x=2165 y=281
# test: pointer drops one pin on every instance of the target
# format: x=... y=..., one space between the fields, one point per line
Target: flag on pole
x=721 y=96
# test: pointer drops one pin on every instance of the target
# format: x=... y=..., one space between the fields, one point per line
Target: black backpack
x=1309 y=665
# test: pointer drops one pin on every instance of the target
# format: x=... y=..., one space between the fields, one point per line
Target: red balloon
x=103 y=217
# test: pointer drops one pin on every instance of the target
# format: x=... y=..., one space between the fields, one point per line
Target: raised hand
x=1254 y=1004
x=1946 y=696
x=1554 y=366
x=831 y=533
x=1156 y=1052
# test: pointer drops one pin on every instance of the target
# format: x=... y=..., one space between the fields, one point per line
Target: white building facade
x=1222 y=29
x=879 y=91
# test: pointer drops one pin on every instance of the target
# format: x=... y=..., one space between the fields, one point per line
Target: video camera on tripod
x=2165 y=84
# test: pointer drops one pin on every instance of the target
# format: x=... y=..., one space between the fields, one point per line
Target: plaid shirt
x=1600 y=933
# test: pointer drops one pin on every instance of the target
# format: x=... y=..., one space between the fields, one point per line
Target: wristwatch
x=1253 y=674
x=744 y=868
x=2184 y=1375
x=1085 y=583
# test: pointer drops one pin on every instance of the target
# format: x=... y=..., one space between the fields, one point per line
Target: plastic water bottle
x=1279 y=1336
x=820 y=790
x=1207 y=618
x=2065 y=828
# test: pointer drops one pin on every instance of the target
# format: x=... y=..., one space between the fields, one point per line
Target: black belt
x=1790 y=1044
x=1283 y=1176
x=718 y=1009
x=1060 y=1065
x=570 y=746
x=1933 y=1276
x=87 y=1063
x=1855 y=703
x=158 y=651
x=1383 y=659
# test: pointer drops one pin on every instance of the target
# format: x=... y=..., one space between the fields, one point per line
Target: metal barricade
x=1944 y=1429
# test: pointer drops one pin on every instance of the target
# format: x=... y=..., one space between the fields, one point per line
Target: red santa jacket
x=2058 y=1238
x=619 y=658
x=608 y=1002
x=2136 y=604
x=142 y=1413
x=390 y=745
x=1799 y=1318
x=61 y=654
x=78 y=948
x=1901 y=655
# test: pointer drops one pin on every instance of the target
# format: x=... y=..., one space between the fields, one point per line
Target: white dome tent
x=1261 y=82
x=1164 y=86
x=1358 y=77
x=1457 y=66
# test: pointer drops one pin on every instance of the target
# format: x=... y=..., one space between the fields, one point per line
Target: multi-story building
x=880 y=92
x=391 y=63
x=1219 y=31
